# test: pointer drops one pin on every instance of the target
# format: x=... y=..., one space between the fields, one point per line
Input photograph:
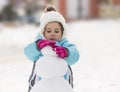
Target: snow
x=52 y=77
x=98 y=69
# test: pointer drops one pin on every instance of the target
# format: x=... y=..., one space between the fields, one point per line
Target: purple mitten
x=42 y=43
x=60 y=51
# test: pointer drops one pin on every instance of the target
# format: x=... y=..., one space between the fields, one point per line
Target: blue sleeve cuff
x=32 y=52
x=73 y=56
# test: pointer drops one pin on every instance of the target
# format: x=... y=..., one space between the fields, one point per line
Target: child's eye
x=56 y=31
x=48 y=31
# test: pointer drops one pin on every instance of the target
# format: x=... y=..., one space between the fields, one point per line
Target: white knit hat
x=50 y=17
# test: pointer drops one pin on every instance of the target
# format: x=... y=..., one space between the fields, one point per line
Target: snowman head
x=50 y=65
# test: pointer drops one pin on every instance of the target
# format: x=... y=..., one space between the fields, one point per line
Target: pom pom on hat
x=51 y=15
x=50 y=8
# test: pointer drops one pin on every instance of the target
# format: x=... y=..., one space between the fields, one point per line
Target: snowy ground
x=98 y=69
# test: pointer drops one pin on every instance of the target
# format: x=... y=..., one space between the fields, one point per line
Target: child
x=52 y=32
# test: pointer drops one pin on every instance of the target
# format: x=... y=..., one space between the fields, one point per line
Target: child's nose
x=52 y=34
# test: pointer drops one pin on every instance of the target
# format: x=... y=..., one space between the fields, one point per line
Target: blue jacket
x=34 y=54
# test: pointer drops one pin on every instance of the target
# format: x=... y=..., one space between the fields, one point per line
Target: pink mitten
x=42 y=43
x=60 y=51
x=52 y=43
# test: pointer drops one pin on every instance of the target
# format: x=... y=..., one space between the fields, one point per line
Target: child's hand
x=60 y=51
x=42 y=43
x=52 y=43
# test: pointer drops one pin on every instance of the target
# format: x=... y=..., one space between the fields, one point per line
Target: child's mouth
x=53 y=39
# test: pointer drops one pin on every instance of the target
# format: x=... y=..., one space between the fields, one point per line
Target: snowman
x=51 y=69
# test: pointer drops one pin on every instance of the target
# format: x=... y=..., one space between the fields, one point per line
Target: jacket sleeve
x=73 y=54
x=32 y=52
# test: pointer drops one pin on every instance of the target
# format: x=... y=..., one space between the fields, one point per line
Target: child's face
x=53 y=31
